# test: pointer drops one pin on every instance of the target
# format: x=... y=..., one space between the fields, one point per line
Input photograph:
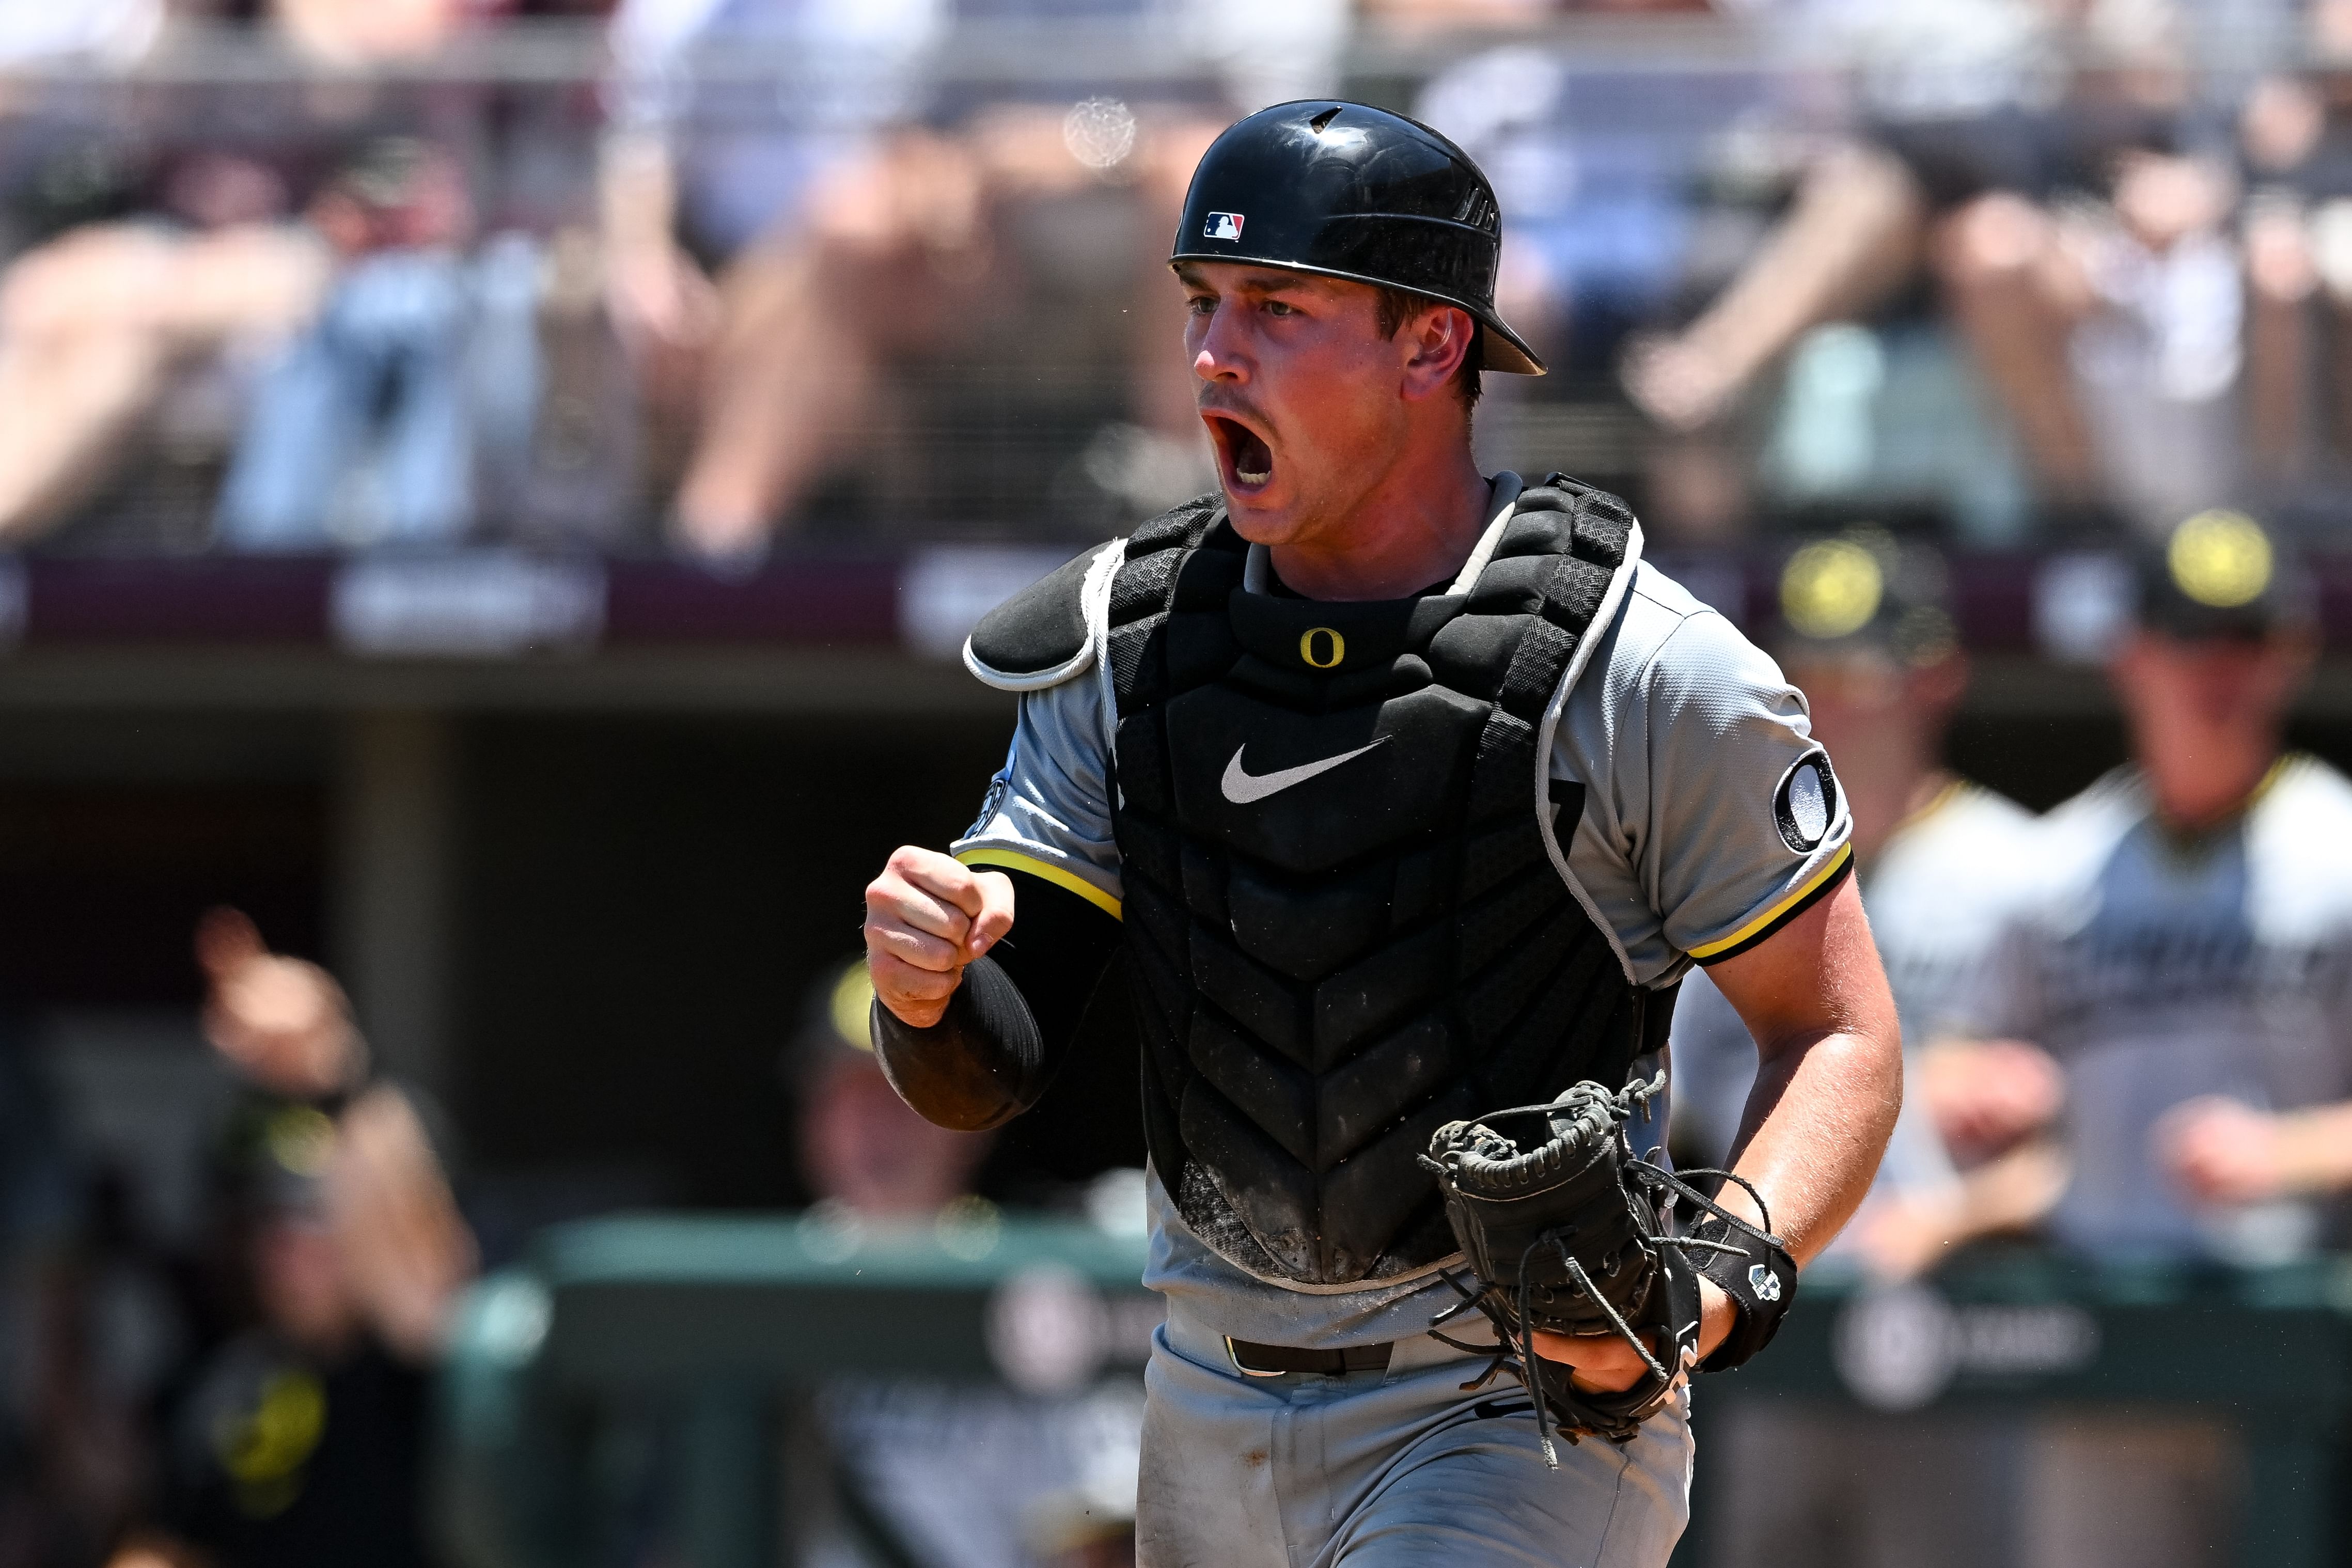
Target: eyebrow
x=1191 y=276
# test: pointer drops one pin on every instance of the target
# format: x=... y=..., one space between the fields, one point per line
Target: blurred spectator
x=95 y=326
x=959 y=1478
x=2294 y=140
x=300 y=1441
x=864 y=238
x=360 y=429
x=861 y=1148
x=286 y=1027
x=1599 y=171
x=2080 y=247
x=1865 y=632
x=298 y=1438
x=705 y=177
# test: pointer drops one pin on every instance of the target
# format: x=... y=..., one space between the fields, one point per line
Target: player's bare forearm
x=1827 y=1089
x=1829 y=1074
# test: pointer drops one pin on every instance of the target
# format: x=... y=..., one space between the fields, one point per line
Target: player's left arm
x=1828 y=1084
x=1829 y=1076
x=1738 y=841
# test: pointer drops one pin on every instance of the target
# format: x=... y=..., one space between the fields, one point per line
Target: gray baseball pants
x=1397 y=1468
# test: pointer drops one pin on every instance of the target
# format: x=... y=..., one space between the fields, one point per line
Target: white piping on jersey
x=1507 y=486
x=1094 y=604
x=1604 y=619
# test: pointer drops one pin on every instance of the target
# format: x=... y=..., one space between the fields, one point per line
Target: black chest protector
x=1336 y=833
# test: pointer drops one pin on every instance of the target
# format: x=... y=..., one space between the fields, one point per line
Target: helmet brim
x=1501 y=350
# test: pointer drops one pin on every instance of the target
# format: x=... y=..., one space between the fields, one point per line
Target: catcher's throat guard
x=1569 y=1233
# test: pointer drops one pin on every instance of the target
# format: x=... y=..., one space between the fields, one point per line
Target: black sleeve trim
x=1781 y=917
x=1011 y=1025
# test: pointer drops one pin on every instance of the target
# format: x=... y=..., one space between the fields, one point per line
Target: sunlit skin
x=1347 y=453
x=2207 y=717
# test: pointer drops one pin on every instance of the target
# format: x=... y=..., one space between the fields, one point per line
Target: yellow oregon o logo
x=1308 y=646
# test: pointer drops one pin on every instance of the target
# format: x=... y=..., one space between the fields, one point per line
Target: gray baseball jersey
x=1708 y=818
x=2158 y=969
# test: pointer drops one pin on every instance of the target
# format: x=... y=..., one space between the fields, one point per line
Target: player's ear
x=1438 y=339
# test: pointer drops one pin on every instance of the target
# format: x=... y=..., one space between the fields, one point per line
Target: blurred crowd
x=697 y=274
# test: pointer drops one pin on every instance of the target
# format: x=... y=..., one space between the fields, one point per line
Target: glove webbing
x=1645 y=1174
x=1647 y=1177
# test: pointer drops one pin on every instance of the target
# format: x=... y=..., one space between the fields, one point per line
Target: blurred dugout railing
x=726 y=1327
x=725 y=1331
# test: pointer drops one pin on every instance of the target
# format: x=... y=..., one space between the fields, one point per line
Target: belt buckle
x=1247 y=1370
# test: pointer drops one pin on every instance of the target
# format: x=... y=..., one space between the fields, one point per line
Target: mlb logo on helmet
x=1223 y=225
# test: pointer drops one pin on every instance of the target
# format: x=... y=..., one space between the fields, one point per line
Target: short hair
x=1398 y=306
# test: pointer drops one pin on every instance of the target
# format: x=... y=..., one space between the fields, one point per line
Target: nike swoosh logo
x=1241 y=786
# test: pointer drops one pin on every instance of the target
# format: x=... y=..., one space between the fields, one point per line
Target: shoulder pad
x=1039 y=638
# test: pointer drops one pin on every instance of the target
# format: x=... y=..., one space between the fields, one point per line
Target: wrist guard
x=1754 y=1269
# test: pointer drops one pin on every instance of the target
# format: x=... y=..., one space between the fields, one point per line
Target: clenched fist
x=926 y=916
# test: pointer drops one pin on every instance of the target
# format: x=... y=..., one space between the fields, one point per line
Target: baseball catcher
x=1399 y=797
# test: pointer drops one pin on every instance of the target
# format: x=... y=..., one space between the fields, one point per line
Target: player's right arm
x=971 y=1019
x=970 y=1025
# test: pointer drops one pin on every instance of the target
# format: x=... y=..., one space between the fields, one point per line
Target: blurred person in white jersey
x=2182 y=957
x=1866 y=633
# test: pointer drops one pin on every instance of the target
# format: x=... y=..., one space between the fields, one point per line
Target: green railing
x=721 y=1327
x=717 y=1329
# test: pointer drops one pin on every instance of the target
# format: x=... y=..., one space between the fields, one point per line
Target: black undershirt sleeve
x=1010 y=1026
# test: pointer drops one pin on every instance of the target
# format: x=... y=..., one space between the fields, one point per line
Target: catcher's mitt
x=1567 y=1233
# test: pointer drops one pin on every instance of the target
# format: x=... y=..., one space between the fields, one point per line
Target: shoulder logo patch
x=1223 y=225
x=1806 y=803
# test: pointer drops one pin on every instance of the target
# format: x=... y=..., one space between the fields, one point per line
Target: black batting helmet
x=1349 y=191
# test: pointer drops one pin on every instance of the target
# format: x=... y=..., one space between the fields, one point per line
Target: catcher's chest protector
x=1345 y=920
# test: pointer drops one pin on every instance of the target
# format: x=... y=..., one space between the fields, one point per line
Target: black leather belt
x=1276 y=1361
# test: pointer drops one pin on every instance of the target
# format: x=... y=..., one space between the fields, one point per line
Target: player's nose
x=1216 y=355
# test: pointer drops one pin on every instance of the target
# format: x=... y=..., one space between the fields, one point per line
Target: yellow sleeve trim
x=1763 y=922
x=1014 y=860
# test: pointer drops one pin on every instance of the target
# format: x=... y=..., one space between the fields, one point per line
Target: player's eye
x=1278 y=308
x=1200 y=304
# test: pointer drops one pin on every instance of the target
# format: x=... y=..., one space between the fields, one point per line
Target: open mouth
x=1242 y=452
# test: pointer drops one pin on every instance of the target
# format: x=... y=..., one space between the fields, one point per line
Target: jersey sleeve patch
x=1804 y=896
x=1039 y=638
x=1805 y=803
